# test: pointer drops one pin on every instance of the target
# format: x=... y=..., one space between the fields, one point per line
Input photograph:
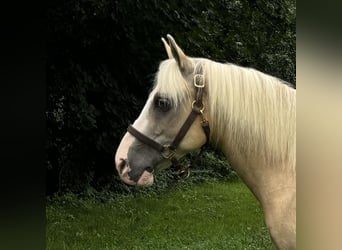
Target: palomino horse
x=252 y=118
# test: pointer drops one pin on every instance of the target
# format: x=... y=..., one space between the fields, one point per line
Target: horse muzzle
x=131 y=177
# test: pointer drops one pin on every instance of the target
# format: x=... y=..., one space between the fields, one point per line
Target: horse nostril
x=122 y=165
x=149 y=169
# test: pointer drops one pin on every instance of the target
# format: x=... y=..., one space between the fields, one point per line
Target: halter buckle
x=199 y=81
x=167 y=152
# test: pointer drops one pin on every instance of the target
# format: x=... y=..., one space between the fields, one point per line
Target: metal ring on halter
x=201 y=109
x=185 y=173
x=167 y=152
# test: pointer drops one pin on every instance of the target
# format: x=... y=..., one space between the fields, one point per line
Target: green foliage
x=210 y=216
x=102 y=56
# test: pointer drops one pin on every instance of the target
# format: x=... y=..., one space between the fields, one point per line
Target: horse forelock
x=170 y=83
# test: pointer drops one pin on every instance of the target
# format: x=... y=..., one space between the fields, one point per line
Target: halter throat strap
x=169 y=151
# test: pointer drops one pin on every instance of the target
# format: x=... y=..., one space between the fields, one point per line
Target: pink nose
x=123 y=171
x=146 y=179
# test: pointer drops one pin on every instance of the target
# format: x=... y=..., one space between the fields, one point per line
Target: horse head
x=169 y=126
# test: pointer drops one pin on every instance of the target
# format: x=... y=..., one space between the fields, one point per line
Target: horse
x=249 y=115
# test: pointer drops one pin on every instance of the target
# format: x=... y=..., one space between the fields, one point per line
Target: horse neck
x=261 y=166
x=265 y=181
x=263 y=176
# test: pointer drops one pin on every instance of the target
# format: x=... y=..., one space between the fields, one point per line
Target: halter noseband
x=168 y=151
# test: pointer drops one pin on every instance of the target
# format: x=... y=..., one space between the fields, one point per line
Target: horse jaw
x=146 y=179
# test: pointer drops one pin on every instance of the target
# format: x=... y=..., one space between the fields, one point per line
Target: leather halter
x=168 y=151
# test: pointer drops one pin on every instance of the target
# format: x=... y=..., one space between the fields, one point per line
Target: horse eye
x=162 y=104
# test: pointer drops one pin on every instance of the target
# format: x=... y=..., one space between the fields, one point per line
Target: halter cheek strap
x=169 y=151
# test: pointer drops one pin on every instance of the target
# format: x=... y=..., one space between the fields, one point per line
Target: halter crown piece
x=168 y=151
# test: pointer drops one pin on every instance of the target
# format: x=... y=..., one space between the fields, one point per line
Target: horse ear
x=184 y=63
x=167 y=48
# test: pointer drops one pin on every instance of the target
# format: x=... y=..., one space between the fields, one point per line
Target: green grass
x=220 y=215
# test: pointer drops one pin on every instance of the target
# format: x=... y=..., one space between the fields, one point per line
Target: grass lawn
x=218 y=215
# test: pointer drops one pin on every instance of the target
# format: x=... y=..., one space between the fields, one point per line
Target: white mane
x=248 y=110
